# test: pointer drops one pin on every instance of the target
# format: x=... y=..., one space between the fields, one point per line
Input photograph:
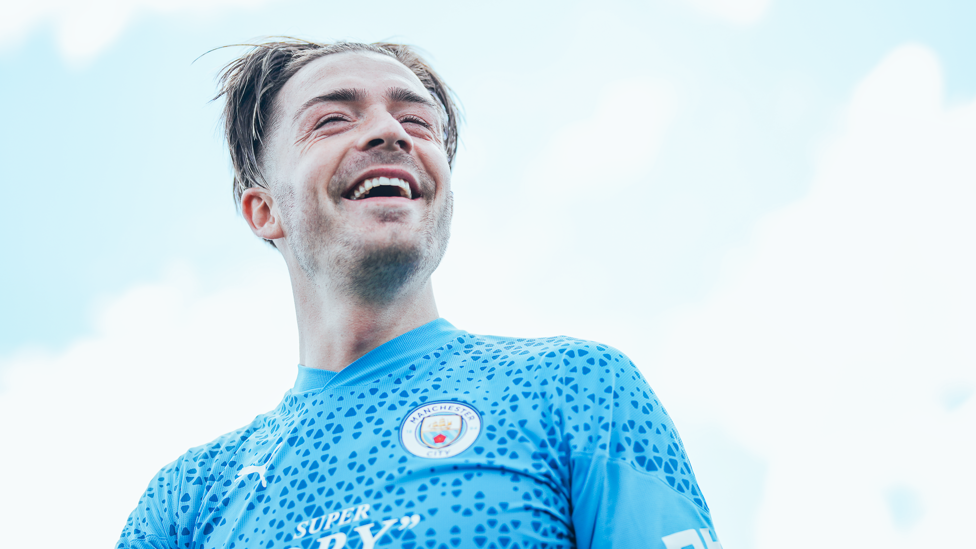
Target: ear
x=257 y=205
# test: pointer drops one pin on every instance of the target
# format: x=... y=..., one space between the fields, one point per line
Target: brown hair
x=250 y=83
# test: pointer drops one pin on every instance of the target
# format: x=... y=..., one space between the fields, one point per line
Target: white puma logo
x=259 y=469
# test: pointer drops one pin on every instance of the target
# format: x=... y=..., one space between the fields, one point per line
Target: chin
x=382 y=272
x=375 y=264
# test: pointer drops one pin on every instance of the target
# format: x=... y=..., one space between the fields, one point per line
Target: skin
x=360 y=269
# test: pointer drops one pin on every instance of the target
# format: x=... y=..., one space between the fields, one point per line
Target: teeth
x=365 y=186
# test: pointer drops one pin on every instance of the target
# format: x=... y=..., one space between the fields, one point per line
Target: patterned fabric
x=440 y=439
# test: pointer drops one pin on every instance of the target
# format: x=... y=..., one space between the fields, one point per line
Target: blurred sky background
x=767 y=204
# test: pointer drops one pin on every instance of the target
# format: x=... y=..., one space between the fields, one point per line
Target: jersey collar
x=398 y=352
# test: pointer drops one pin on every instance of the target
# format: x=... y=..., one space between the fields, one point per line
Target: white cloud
x=626 y=127
x=840 y=346
x=546 y=213
x=85 y=29
x=169 y=367
x=739 y=12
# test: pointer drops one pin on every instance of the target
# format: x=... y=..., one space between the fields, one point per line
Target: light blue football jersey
x=441 y=439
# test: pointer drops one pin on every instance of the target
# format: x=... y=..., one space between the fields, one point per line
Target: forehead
x=373 y=72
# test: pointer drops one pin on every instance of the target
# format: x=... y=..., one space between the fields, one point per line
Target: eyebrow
x=403 y=95
x=342 y=95
x=355 y=95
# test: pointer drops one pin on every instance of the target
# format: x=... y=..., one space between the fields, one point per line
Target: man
x=402 y=430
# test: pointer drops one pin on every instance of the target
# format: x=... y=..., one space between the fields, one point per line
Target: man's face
x=346 y=122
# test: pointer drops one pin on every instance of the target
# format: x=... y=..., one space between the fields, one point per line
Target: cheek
x=312 y=178
x=439 y=170
x=298 y=195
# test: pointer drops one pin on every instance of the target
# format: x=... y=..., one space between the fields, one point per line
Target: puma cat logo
x=259 y=469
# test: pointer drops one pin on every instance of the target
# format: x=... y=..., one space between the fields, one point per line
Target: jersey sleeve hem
x=151 y=542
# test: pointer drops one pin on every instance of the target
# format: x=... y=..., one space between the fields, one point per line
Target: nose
x=384 y=132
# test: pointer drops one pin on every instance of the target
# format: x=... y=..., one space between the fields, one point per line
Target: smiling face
x=359 y=178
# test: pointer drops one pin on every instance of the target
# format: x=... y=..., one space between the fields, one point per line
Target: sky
x=766 y=204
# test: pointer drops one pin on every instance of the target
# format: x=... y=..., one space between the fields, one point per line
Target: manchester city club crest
x=440 y=429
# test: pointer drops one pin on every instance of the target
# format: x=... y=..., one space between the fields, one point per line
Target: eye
x=330 y=119
x=415 y=120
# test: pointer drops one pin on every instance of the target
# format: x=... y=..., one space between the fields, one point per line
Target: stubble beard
x=367 y=272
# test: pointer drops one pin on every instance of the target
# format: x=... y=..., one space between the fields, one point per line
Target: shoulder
x=200 y=463
x=549 y=355
x=177 y=490
x=576 y=372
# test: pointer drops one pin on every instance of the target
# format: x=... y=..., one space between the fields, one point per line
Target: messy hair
x=250 y=83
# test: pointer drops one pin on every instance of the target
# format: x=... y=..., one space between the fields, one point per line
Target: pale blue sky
x=701 y=192
x=114 y=170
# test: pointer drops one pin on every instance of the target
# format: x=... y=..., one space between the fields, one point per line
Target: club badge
x=440 y=429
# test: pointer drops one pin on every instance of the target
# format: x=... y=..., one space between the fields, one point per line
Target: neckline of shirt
x=384 y=359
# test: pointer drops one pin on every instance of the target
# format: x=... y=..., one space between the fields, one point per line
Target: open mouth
x=381 y=187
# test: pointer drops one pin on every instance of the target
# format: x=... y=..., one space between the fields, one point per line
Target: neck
x=334 y=331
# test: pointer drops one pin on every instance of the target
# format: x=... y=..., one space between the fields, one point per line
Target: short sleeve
x=631 y=482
